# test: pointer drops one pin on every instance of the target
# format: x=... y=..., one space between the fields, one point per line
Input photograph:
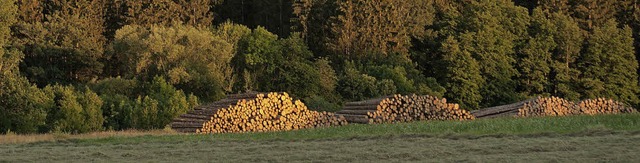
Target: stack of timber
x=267 y=112
x=399 y=108
x=603 y=106
x=548 y=106
x=554 y=106
x=194 y=120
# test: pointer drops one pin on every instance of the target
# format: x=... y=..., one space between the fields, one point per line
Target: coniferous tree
x=463 y=76
x=491 y=31
x=608 y=65
x=376 y=28
x=591 y=13
x=22 y=105
x=569 y=39
x=535 y=57
x=67 y=46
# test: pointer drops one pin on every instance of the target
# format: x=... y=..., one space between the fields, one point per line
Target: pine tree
x=569 y=38
x=374 y=29
x=590 y=13
x=535 y=56
x=608 y=65
x=553 y=6
x=67 y=46
x=463 y=75
x=22 y=105
x=491 y=31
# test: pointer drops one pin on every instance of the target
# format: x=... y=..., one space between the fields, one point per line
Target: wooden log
x=356 y=118
x=355 y=112
x=499 y=109
x=374 y=101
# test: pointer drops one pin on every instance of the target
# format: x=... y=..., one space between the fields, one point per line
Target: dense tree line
x=81 y=65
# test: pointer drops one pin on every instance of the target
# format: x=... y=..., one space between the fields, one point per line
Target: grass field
x=608 y=138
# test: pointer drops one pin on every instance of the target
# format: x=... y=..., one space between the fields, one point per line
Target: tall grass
x=483 y=127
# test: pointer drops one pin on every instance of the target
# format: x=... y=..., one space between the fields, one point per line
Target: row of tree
x=122 y=64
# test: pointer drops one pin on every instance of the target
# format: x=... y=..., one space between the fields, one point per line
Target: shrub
x=74 y=111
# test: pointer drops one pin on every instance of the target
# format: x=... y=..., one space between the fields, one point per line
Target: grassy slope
x=580 y=138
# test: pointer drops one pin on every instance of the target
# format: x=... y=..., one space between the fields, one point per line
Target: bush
x=22 y=105
x=74 y=111
x=191 y=59
x=131 y=104
x=162 y=103
x=319 y=103
x=354 y=86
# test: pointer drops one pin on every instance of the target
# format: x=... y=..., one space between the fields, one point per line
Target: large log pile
x=194 y=119
x=270 y=112
x=549 y=106
x=400 y=108
x=603 y=106
x=554 y=106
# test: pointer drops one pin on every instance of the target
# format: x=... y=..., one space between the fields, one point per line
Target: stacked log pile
x=194 y=119
x=554 y=106
x=400 y=108
x=270 y=112
x=549 y=106
x=603 y=106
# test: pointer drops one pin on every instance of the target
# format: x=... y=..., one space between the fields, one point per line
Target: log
x=355 y=112
x=499 y=109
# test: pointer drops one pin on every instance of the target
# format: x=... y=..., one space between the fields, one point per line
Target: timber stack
x=554 y=106
x=603 y=106
x=267 y=112
x=399 y=108
x=548 y=106
x=195 y=119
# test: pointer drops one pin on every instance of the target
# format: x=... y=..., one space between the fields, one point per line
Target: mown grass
x=476 y=128
x=603 y=138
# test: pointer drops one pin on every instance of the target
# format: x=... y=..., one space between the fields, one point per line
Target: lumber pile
x=554 y=106
x=548 y=106
x=195 y=119
x=399 y=108
x=603 y=106
x=267 y=112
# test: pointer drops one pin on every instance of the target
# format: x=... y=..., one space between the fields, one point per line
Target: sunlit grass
x=476 y=128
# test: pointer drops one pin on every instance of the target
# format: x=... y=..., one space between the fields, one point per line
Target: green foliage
x=376 y=28
x=569 y=39
x=191 y=59
x=273 y=15
x=66 y=48
x=272 y=64
x=463 y=76
x=74 y=111
x=492 y=31
x=162 y=103
x=22 y=105
x=535 y=57
x=117 y=95
x=608 y=64
x=150 y=105
x=354 y=85
x=7 y=18
x=319 y=103
x=167 y=12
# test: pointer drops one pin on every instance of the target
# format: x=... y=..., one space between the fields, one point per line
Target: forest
x=79 y=66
